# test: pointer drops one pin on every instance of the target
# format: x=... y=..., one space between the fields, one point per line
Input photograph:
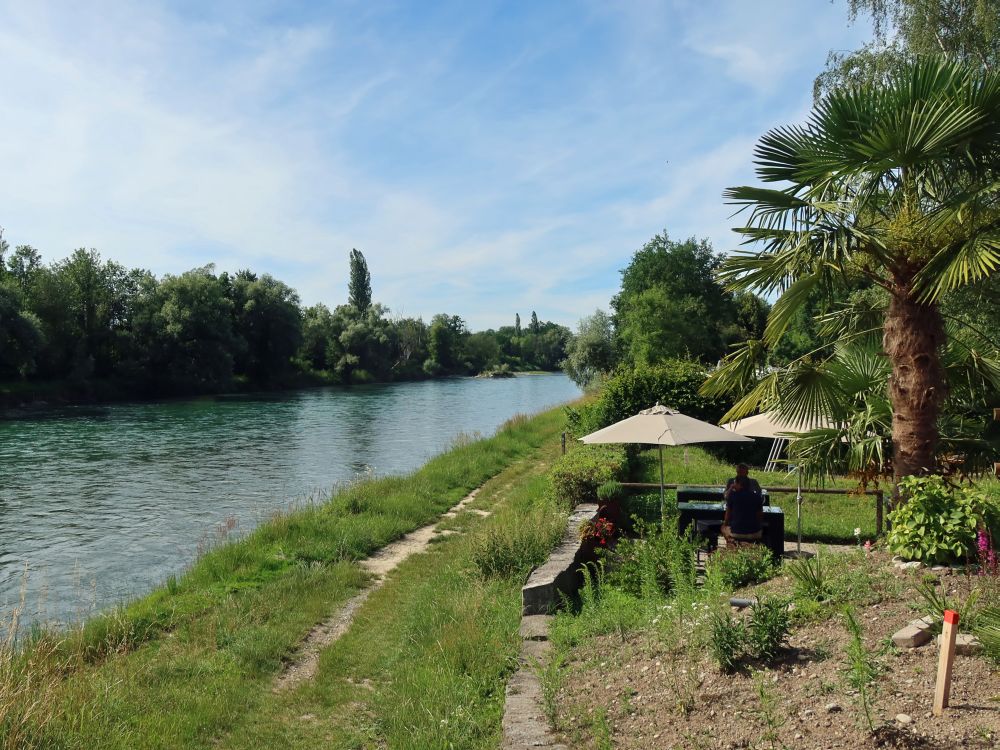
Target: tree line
x=84 y=319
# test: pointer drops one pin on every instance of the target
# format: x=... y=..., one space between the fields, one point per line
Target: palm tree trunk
x=913 y=336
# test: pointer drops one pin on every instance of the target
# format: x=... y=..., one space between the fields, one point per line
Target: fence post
x=564 y=443
x=879 y=509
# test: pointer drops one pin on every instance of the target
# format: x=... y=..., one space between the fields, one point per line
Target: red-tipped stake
x=945 y=661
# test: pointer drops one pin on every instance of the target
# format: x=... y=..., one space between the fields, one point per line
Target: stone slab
x=524 y=722
x=560 y=574
x=535 y=627
x=965 y=644
x=911 y=637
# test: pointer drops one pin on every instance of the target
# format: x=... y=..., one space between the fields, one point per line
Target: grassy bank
x=193 y=663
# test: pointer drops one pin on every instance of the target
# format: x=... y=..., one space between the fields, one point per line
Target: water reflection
x=103 y=503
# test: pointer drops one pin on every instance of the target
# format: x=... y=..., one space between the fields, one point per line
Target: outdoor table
x=773 y=524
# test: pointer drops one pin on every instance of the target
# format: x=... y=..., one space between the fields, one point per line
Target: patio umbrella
x=770 y=424
x=661 y=426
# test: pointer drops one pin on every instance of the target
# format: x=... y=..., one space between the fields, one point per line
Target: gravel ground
x=654 y=690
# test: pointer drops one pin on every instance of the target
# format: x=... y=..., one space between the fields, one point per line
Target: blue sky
x=487 y=157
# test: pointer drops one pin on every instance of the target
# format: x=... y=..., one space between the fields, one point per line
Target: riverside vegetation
x=86 y=327
x=424 y=664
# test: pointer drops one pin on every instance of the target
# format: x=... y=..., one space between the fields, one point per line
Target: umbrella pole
x=798 y=511
x=660 y=447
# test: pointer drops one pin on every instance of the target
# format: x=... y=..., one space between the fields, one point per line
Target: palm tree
x=897 y=183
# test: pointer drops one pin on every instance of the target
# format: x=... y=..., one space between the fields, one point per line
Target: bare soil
x=655 y=690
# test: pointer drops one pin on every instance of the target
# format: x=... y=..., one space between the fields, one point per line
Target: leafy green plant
x=936 y=524
x=727 y=642
x=810 y=581
x=578 y=474
x=610 y=491
x=768 y=628
x=863 y=668
x=731 y=569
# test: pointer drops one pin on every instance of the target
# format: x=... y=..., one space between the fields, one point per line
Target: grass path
x=425 y=658
x=306 y=662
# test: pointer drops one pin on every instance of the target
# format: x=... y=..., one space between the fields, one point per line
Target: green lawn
x=825 y=518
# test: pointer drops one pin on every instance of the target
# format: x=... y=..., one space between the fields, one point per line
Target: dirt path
x=306 y=662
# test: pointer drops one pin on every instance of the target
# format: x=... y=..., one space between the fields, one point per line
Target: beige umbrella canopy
x=771 y=425
x=661 y=426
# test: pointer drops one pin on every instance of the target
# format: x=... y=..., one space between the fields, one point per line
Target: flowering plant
x=600 y=530
x=989 y=564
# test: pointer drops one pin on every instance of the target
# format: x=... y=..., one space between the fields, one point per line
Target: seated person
x=744 y=512
x=743 y=472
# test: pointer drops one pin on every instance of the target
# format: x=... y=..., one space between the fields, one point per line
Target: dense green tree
x=895 y=182
x=412 y=341
x=591 y=353
x=22 y=267
x=268 y=320
x=517 y=324
x=320 y=348
x=535 y=325
x=445 y=342
x=480 y=351
x=186 y=325
x=359 y=287
x=671 y=304
x=904 y=30
x=20 y=335
x=369 y=344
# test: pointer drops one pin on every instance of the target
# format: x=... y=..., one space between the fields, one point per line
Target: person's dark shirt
x=744 y=507
x=752 y=484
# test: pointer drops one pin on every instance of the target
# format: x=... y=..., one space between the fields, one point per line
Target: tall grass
x=28 y=682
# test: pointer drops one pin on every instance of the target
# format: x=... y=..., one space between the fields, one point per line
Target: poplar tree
x=359 y=287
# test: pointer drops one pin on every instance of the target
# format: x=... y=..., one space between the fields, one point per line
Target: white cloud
x=484 y=169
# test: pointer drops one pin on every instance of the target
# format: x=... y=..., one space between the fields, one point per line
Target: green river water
x=100 y=504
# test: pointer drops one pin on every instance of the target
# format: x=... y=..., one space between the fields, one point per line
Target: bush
x=727 y=642
x=656 y=564
x=513 y=550
x=937 y=524
x=768 y=631
x=628 y=391
x=577 y=475
x=810 y=580
x=762 y=638
x=731 y=569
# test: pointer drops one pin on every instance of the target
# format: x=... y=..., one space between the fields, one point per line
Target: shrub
x=731 y=569
x=652 y=566
x=810 y=581
x=937 y=524
x=768 y=631
x=728 y=640
x=577 y=475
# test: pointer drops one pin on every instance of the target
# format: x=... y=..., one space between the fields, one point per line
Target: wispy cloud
x=487 y=159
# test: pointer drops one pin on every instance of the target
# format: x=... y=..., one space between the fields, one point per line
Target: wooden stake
x=945 y=661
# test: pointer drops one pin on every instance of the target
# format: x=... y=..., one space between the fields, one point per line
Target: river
x=101 y=504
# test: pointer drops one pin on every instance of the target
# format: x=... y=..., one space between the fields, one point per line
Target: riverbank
x=193 y=664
